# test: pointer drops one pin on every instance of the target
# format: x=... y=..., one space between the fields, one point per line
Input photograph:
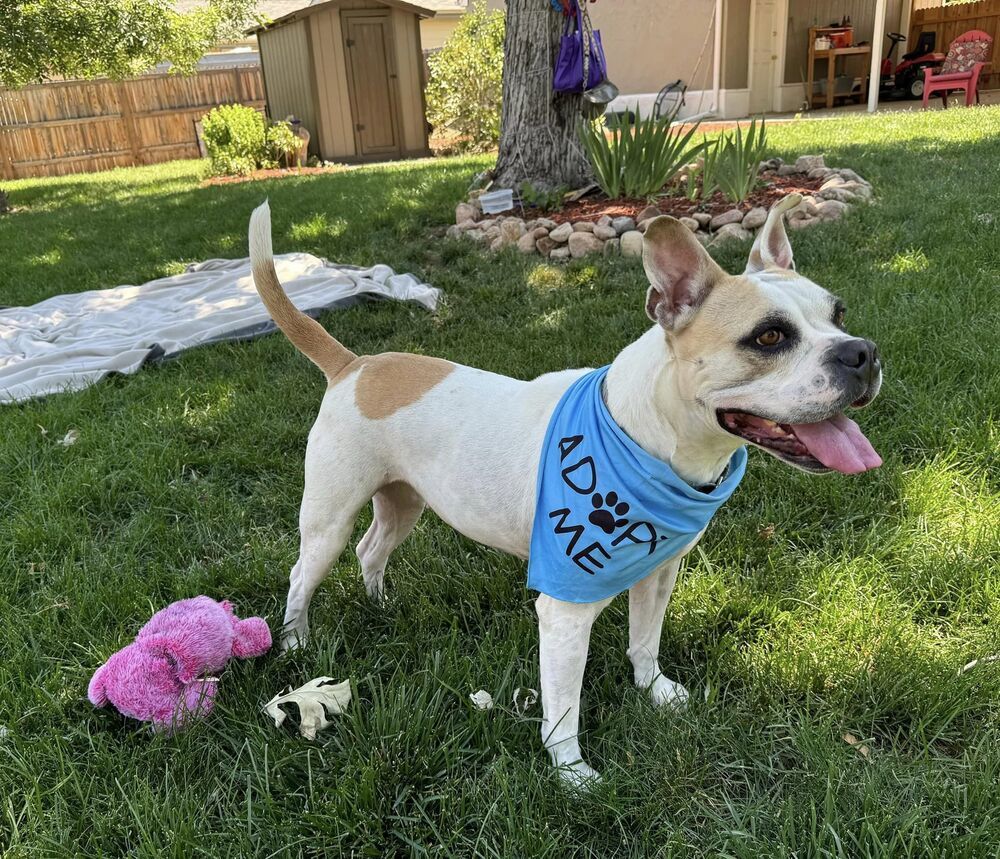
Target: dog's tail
x=306 y=334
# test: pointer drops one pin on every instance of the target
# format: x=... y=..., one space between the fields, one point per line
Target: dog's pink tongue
x=839 y=444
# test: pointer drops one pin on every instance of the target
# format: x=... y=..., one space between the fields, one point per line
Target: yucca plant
x=636 y=159
x=732 y=162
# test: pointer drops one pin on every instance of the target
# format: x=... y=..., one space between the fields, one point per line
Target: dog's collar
x=711 y=487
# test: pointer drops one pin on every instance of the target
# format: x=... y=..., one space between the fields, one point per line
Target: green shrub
x=732 y=162
x=463 y=93
x=637 y=159
x=239 y=141
x=235 y=139
x=280 y=143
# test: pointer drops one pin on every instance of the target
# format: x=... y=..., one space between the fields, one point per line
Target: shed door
x=373 y=83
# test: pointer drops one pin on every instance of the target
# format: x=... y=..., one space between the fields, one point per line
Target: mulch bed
x=279 y=173
x=774 y=187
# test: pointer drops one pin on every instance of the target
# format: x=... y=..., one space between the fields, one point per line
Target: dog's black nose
x=858 y=356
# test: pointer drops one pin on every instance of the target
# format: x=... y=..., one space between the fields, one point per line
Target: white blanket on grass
x=68 y=342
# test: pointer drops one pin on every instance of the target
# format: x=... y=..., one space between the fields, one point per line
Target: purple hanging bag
x=578 y=42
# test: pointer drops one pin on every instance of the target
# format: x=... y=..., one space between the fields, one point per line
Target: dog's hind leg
x=319 y=548
x=397 y=507
x=331 y=501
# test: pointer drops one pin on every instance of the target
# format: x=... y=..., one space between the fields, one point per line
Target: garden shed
x=353 y=72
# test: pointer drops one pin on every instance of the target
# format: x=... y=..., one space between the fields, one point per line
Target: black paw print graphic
x=602 y=516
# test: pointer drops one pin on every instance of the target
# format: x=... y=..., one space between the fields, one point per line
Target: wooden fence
x=83 y=126
x=952 y=20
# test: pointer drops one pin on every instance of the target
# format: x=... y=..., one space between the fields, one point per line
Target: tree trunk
x=538 y=127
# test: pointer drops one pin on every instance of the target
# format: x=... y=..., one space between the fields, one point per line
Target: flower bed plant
x=637 y=159
x=731 y=163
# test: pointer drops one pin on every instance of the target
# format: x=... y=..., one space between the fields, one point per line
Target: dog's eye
x=771 y=337
x=838 y=317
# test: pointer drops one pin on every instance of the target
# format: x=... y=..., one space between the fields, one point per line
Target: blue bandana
x=607 y=513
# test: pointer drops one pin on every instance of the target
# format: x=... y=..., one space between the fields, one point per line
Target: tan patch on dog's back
x=393 y=380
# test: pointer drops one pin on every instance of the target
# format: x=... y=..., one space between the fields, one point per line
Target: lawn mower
x=906 y=80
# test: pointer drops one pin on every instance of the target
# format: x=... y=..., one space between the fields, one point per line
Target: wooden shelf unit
x=831 y=56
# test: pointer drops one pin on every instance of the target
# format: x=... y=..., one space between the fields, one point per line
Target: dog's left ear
x=680 y=272
x=771 y=248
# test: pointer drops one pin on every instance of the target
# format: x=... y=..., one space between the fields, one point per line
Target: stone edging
x=841 y=189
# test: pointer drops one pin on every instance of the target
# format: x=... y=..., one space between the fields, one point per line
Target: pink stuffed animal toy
x=163 y=676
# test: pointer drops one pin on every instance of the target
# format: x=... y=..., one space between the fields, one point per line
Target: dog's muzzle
x=856 y=365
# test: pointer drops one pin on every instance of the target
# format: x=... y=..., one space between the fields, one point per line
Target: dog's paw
x=578 y=775
x=376 y=592
x=292 y=639
x=665 y=693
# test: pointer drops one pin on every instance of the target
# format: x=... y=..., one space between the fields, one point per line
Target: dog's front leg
x=563 y=641
x=647 y=603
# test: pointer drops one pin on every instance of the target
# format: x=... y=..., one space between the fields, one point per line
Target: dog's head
x=763 y=354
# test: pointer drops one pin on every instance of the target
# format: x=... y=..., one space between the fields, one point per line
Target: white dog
x=760 y=357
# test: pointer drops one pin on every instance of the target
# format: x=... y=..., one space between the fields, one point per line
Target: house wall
x=649 y=43
x=803 y=14
x=736 y=44
x=434 y=32
x=288 y=79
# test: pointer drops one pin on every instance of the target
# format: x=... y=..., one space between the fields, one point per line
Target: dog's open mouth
x=834 y=444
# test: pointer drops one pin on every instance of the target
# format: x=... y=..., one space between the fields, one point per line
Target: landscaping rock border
x=841 y=189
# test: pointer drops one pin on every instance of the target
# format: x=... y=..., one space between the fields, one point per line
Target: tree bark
x=538 y=127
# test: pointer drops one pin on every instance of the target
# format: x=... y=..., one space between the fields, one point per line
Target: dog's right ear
x=771 y=248
x=680 y=272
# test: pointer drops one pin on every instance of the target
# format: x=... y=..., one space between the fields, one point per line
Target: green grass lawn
x=818 y=607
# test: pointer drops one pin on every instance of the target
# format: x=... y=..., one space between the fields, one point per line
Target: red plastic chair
x=951 y=81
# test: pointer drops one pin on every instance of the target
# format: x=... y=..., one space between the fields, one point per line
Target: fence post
x=6 y=162
x=239 y=85
x=127 y=111
x=7 y=117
